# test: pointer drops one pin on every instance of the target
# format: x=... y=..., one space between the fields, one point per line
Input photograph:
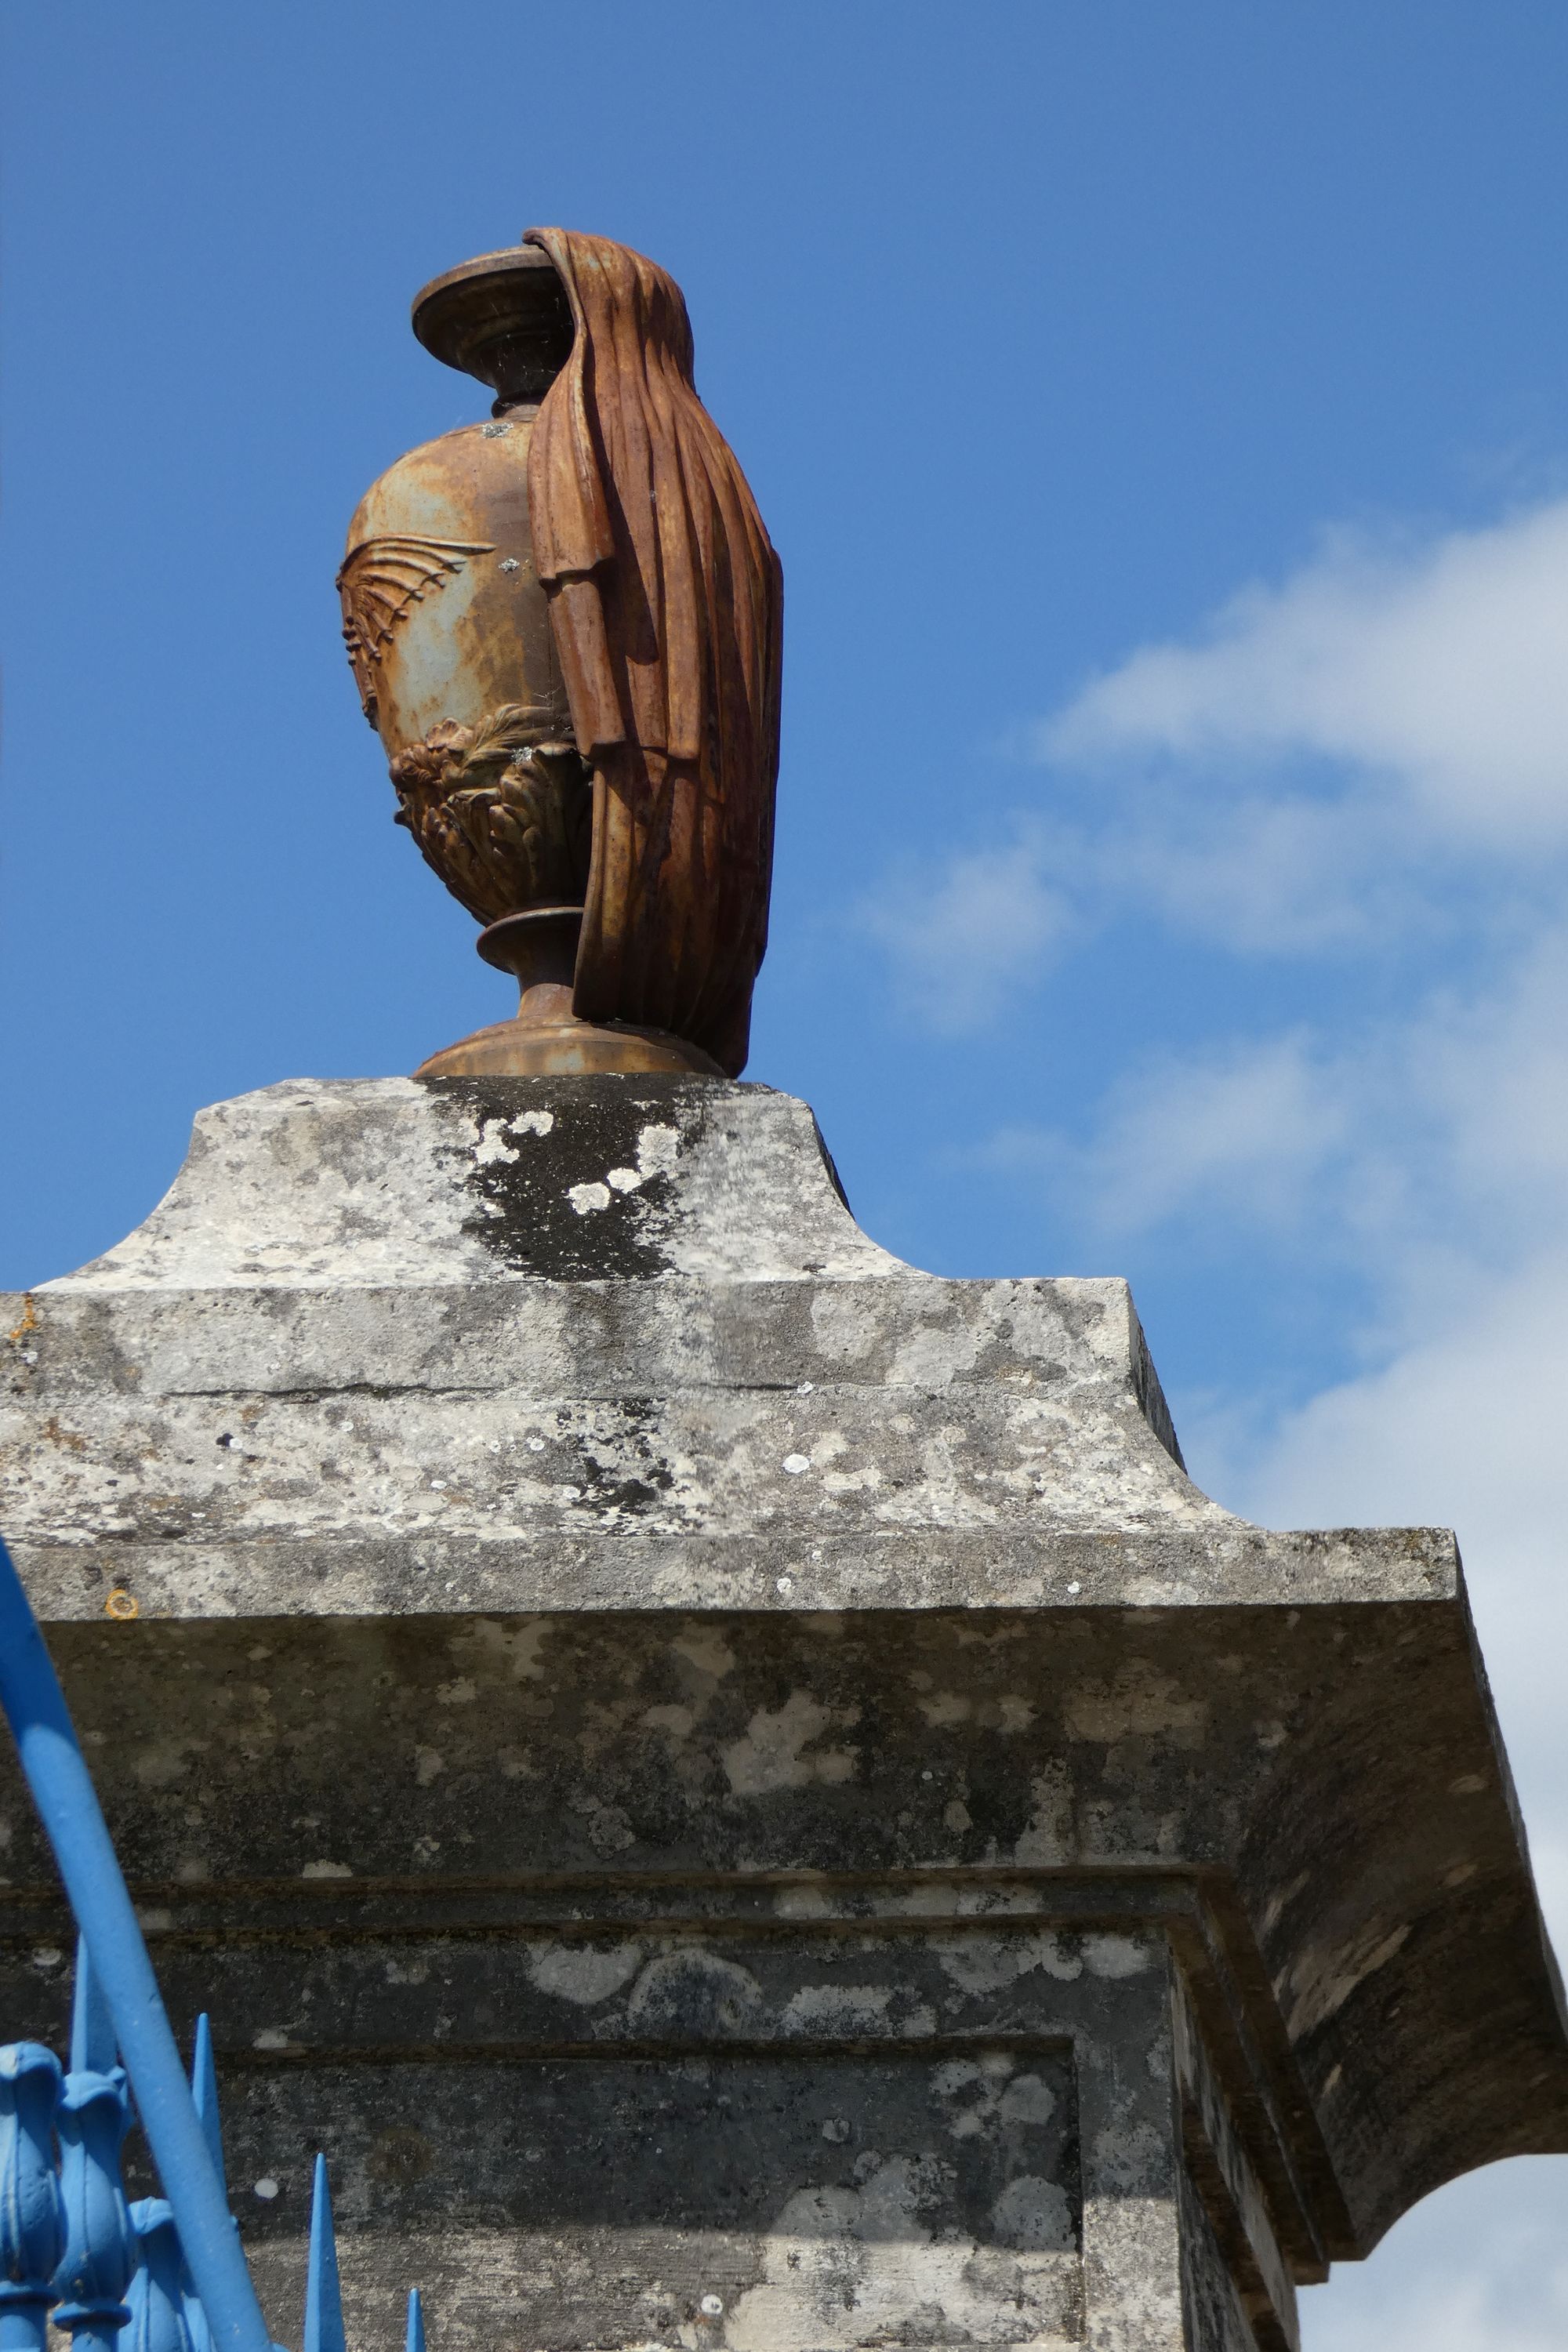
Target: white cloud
x=1240 y=1130
x=1427 y=2289
x=1270 y=874
x=1369 y=753
x=1337 y=760
x=1435 y=669
x=1430 y=1148
x=966 y=940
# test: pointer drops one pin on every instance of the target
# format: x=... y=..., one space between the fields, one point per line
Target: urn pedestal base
x=734 y=1787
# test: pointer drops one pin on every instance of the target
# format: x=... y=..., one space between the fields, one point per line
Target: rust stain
x=28 y=1323
x=121 y=1604
x=68 y=1437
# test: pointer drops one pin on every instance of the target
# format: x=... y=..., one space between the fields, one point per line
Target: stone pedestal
x=735 y=1788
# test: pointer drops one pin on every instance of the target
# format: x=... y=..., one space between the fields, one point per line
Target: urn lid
x=502 y=317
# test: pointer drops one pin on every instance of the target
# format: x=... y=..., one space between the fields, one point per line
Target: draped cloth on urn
x=666 y=601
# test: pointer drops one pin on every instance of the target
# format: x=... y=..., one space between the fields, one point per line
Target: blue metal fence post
x=93 y=2119
x=32 y=2219
x=157 y=2297
x=415 y=2339
x=62 y=1790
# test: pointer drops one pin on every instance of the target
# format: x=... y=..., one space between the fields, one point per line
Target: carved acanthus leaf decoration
x=503 y=812
x=377 y=583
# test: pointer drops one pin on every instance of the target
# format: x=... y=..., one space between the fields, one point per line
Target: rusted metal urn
x=454 y=648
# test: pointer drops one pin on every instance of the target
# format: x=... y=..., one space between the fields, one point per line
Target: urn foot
x=545 y=1038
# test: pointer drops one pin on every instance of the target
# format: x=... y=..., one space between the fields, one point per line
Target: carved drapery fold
x=667 y=607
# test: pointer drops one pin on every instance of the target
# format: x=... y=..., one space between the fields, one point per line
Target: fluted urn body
x=443 y=611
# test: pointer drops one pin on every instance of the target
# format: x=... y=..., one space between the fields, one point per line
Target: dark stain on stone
x=524 y=1213
x=615 y=1484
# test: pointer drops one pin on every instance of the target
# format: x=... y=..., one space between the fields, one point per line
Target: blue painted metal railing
x=167 y=2273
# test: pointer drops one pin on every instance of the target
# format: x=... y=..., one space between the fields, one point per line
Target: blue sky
x=1162 y=416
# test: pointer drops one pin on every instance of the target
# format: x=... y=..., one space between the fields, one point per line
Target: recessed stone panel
x=746 y=2202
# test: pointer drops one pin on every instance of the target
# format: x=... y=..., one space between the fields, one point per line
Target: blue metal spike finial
x=92 y=2027
x=416 y=2339
x=323 y=2297
x=204 y=2097
x=204 y=2091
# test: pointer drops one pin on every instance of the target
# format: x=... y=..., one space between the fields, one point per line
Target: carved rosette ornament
x=564 y=623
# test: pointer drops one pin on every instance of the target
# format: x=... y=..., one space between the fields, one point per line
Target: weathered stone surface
x=625 y=1676
x=385 y=1288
